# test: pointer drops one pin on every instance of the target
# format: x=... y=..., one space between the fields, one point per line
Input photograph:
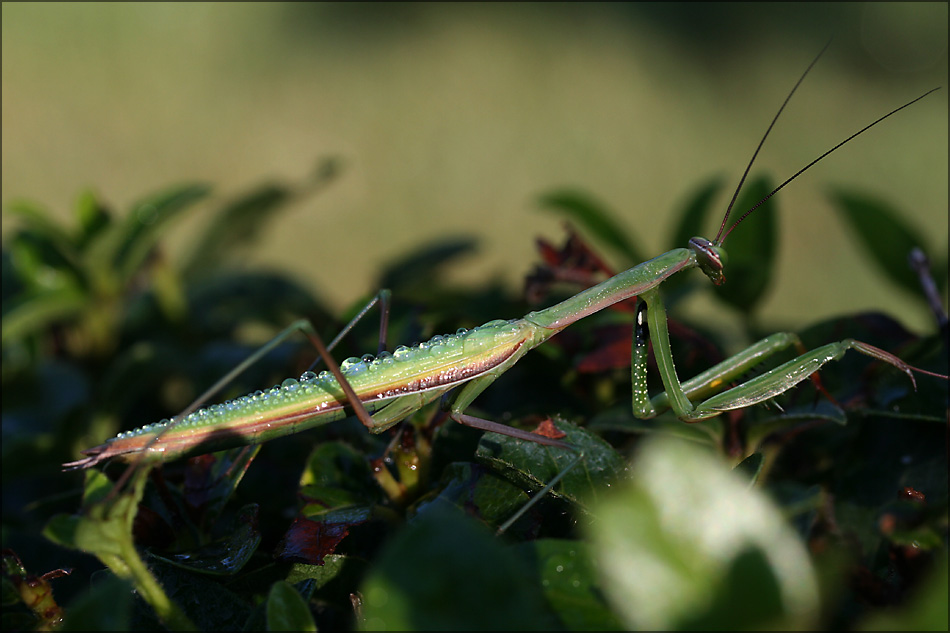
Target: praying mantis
x=384 y=389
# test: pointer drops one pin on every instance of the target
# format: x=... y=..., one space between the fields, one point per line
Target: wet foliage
x=819 y=510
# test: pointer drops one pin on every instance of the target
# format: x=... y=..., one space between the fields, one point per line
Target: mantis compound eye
x=711 y=258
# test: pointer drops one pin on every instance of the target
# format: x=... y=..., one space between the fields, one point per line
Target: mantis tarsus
x=384 y=389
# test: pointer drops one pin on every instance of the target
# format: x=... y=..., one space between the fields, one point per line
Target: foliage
x=805 y=513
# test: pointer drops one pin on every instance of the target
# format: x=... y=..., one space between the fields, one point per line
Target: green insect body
x=409 y=375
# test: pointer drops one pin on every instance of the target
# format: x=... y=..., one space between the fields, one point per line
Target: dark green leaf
x=38 y=221
x=567 y=573
x=235 y=226
x=693 y=217
x=590 y=214
x=286 y=610
x=750 y=467
x=479 y=491
x=148 y=218
x=36 y=314
x=107 y=606
x=887 y=239
x=226 y=556
x=533 y=465
x=422 y=267
x=41 y=264
x=93 y=218
x=446 y=572
x=925 y=610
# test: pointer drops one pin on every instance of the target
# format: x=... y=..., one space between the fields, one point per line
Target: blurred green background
x=450 y=120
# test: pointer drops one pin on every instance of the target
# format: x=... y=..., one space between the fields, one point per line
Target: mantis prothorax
x=385 y=389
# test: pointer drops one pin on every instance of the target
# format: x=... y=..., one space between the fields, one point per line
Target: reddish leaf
x=310 y=541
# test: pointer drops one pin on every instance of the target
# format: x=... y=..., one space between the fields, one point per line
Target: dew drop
x=349 y=363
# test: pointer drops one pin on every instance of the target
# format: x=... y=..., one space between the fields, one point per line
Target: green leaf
x=226 y=556
x=93 y=218
x=36 y=314
x=751 y=467
x=147 y=219
x=590 y=214
x=105 y=530
x=286 y=610
x=107 y=606
x=567 y=573
x=532 y=465
x=236 y=225
x=686 y=532
x=887 y=239
x=420 y=269
x=479 y=491
x=42 y=264
x=38 y=221
x=222 y=303
x=446 y=572
x=693 y=216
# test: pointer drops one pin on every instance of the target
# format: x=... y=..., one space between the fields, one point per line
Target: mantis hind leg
x=464 y=397
x=306 y=327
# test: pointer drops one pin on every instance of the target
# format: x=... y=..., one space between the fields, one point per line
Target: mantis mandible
x=383 y=390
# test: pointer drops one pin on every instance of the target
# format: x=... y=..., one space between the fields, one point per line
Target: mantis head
x=711 y=258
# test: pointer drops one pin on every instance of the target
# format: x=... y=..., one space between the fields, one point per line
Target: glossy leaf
x=533 y=465
x=478 y=491
x=226 y=556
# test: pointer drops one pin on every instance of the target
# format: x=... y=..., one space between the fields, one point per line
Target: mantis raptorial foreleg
x=651 y=325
